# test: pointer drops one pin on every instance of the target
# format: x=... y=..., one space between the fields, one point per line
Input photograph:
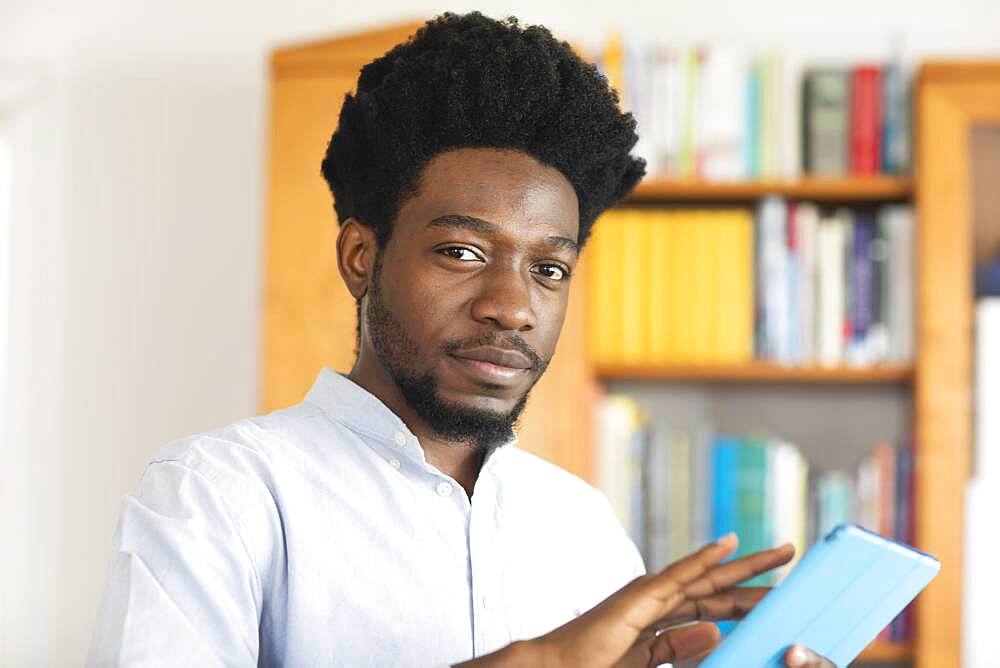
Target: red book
x=866 y=120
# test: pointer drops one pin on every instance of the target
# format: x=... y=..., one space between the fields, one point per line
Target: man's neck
x=458 y=460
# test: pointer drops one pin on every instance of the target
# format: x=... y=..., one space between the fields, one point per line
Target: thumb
x=685 y=642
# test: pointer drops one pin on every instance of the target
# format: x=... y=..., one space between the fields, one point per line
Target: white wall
x=139 y=235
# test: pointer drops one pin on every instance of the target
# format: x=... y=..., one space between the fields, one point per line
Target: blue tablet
x=846 y=589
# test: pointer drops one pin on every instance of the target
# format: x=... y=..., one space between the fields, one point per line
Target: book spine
x=847 y=271
x=894 y=139
x=826 y=113
x=807 y=221
x=724 y=487
x=658 y=481
x=773 y=220
x=866 y=119
x=635 y=282
x=751 y=480
x=878 y=332
x=861 y=290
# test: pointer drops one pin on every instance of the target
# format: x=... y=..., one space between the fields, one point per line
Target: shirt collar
x=358 y=409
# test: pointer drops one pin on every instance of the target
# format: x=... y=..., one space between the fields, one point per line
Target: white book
x=670 y=109
x=832 y=238
x=787 y=479
x=772 y=218
x=640 y=99
x=791 y=115
x=680 y=495
x=722 y=120
x=616 y=417
x=807 y=220
x=904 y=278
x=772 y=106
x=660 y=510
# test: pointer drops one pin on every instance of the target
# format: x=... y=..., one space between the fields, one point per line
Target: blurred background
x=145 y=148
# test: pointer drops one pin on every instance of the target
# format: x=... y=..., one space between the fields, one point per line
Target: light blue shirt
x=320 y=535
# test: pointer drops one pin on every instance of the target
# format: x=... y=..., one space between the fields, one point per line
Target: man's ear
x=356 y=247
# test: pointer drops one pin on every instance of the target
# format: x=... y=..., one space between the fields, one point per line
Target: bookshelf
x=845 y=190
x=308 y=316
x=758 y=372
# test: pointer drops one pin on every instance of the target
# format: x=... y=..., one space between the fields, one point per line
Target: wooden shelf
x=848 y=189
x=886 y=652
x=762 y=372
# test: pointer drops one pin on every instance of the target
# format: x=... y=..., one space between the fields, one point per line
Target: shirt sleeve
x=182 y=589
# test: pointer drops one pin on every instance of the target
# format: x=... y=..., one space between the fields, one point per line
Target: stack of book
x=798 y=286
x=676 y=489
x=834 y=287
x=717 y=113
x=672 y=287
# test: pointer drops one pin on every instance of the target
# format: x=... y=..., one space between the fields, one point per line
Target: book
x=832 y=240
x=825 y=122
x=866 y=120
x=895 y=127
x=861 y=288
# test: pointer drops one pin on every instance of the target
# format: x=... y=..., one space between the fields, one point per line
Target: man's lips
x=509 y=358
x=493 y=366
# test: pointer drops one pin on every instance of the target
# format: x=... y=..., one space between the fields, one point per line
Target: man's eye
x=459 y=253
x=552 y=271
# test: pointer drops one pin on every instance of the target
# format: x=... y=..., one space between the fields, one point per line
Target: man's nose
x=505 y=300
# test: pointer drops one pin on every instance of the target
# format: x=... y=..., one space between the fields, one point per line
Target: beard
x=449 y=421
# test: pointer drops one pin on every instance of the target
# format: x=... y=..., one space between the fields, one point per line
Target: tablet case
x=846 y=589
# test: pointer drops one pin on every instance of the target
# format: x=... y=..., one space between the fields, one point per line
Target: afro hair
x=472 y=81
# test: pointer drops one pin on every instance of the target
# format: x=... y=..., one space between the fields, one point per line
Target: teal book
x=752 y=502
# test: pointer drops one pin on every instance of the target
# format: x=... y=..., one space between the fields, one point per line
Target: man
x=389 y=519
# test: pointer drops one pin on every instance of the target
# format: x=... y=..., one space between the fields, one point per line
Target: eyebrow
x=460 y=222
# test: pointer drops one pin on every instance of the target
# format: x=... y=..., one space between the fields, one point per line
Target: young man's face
x=471 y=289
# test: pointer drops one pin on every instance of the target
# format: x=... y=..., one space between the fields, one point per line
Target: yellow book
x=701 y=273
x=715 y=305
x=634 y=284
x=600 y=289
x=658 y=291
x=686 y=228
x=673 y=240
x=744 y=280
x=726 y=292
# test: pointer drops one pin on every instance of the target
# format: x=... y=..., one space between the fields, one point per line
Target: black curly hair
x=472 y=81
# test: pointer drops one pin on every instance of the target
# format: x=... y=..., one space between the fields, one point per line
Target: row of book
x=672 y=287
x=675 y=490
x=834 y=287
x=798 y=285
x=718 y=113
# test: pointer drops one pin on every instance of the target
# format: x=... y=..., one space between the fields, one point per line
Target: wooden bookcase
x=309 y=316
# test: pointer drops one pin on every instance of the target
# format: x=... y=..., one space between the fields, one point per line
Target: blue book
x=725 y=499
x=861 y=286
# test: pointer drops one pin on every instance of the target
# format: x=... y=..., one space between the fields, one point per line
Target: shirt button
x=444 y=489
x=394 y=462
x=400 y=438
x=487 y=602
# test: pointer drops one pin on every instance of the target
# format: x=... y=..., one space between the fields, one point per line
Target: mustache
x=514 y=341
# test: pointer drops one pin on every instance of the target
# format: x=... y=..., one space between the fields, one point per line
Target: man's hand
x=626 y=630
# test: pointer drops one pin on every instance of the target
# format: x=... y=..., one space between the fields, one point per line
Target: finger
x=649 y=598
x=733 y=604
x=694 y=566
x=726 y=575
x=684 y=643
x=798 y=656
